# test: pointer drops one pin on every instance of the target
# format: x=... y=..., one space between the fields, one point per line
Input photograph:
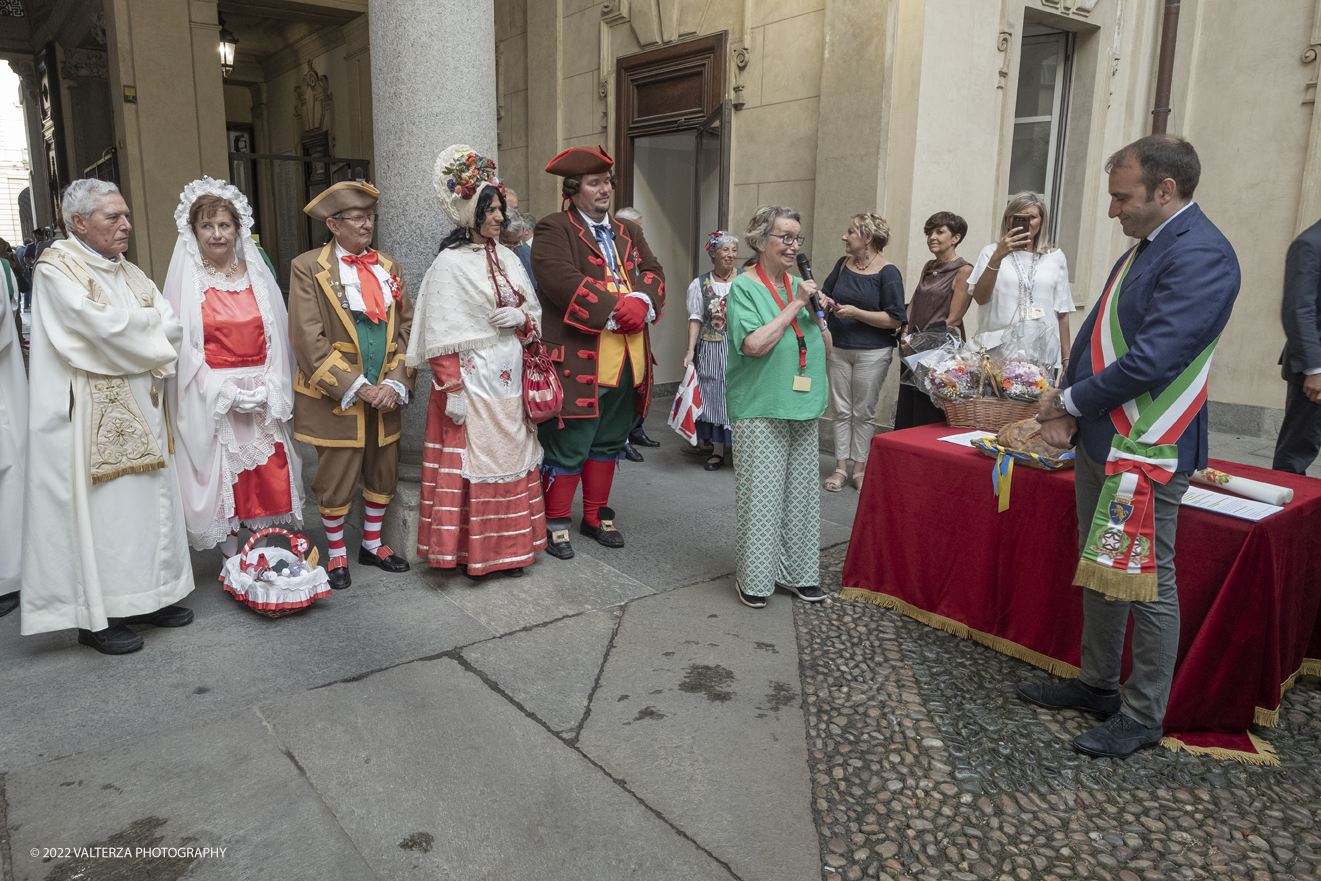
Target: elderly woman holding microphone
x=775 y=390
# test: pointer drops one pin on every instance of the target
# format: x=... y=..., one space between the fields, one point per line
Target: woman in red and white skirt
x=482 y=507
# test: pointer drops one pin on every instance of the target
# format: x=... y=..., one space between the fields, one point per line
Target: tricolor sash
x=1117 y=560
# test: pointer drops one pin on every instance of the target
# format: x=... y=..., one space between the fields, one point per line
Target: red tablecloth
x=928 y=540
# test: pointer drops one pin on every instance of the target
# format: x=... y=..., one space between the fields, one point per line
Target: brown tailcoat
x=325 y=342
x=571 y=273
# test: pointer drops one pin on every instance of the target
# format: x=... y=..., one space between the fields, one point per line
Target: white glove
x=249 y=401
x=456 y=407
x=508 y=316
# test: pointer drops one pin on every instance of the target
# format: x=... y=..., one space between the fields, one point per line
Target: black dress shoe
x=1070 y=694
x=639 y=438
x=1117 y=738
x=463 y=567
x=715 y=463
x=513 y=573
x=117 y=639
x=382 y=558
x=8 y=603
x=170 y=616
x=339 y=575
x=606 y=533
x=557 y=538
x=631 y=454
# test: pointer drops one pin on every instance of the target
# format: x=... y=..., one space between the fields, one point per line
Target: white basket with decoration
x=272 y=581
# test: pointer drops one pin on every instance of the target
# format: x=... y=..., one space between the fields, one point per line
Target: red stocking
x=559 y=494
x=597 y=477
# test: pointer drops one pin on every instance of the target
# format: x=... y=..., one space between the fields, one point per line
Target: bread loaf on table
x=1024 y=436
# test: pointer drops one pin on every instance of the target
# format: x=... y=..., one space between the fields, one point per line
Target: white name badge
x=802 y=383
x=1033 y=313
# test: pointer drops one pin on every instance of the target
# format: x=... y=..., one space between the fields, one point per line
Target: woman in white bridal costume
x=232 y=395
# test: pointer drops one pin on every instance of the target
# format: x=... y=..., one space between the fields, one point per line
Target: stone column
x=433 y=84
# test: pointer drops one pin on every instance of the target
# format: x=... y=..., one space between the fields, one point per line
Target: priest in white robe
x=105 y=545
x=13 y=444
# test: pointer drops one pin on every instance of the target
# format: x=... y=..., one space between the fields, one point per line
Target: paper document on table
x=1244 y=509
x=966 y=439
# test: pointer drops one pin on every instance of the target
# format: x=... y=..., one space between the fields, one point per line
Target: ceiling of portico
x=276 y=35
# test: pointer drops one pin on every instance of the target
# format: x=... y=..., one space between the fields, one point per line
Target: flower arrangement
x=1022 y=381
x=954 y=379
x=468 y=171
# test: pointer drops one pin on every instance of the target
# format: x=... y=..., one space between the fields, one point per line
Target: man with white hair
x=105 y=544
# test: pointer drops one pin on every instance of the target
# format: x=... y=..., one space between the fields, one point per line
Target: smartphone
x=1020 y=222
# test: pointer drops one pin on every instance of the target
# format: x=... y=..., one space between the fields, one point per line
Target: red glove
x=630 y=315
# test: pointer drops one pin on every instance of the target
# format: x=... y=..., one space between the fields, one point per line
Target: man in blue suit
x=1300 y=364
x=1169 y=298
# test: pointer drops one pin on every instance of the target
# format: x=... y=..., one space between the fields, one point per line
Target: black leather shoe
x=1117 y=738
x=715 y=463
x=631 y=454
x=513 y=573
x=382 y=558
x=339 y=575
x=639 y=438
x=170 y=616
x=606 y=533
x=117 y=639
x=463 y=567
x=1070 y=694
x=557 y=538
x=8 y=603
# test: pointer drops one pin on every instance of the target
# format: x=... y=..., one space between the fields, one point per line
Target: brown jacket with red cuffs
x=571 y=278
x=325 y=342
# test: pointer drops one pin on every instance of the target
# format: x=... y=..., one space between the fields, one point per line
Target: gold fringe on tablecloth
x=962 y=631
x=1271 y=718
x=1265 y=754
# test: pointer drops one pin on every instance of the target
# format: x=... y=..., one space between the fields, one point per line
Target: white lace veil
x=214 y=444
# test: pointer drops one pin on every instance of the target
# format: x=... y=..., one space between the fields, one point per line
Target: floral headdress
x=461 y=173
x=716 y=239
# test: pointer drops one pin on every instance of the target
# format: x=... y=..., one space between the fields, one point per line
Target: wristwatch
x=1057 y=403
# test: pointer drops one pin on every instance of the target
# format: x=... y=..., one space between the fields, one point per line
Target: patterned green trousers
x=778 y=504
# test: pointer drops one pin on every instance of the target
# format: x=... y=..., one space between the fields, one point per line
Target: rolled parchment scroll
x=1251 y=489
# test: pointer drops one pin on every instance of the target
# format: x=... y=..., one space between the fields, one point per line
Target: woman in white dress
x=1021 y=283
x=232 y=396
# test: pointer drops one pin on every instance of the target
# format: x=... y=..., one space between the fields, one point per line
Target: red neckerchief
x=788 y=286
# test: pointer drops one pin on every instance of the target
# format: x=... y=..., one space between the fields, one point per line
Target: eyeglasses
x=790 y=241
x=357 y=219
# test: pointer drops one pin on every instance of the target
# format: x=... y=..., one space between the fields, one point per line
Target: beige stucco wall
x=906 y=107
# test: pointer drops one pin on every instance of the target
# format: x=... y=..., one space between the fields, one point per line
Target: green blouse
x=762 y=388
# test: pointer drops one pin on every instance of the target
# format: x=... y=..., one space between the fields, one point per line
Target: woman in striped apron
x=707 y=347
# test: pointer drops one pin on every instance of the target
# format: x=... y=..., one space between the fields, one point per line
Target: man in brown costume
x=349 y=318
x=600 y=288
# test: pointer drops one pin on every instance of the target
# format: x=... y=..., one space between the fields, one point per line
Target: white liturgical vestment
x=104 y=534
x=13 y=443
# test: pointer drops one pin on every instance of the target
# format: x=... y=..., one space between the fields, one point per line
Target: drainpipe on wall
x=1160 y=114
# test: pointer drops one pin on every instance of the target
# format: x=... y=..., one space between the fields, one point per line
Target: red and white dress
x=482 y=504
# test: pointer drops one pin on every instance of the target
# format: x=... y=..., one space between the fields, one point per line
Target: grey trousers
x=1155 y=625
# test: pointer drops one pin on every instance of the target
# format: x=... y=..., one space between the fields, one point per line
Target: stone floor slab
x=549 y=670
x=433 y=775
x=699 y=711
x=225 y=785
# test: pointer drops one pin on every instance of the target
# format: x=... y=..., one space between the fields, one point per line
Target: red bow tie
x=373 y=299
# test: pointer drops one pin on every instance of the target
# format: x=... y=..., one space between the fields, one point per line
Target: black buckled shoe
x=630 y=453
x=8 y=603
x=1117 y=738
x=117 y=639
x=1070 y=694
x=639 y=438
x=606 y=533
x=338 y=572
x=170 y=616
x=382 y=558
x=557 y=538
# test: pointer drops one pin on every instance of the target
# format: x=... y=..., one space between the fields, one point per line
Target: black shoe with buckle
x=117 y=639
x=631 y=454
x=747 y=599
x=639 y=438
x=606 y=533
x=170 y=616
x=8 y=603
x=812 y=593
x=382 y=558
x=557 y=538
x=337 y=570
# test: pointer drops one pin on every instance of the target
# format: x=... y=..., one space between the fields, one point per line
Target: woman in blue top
x=775 y=390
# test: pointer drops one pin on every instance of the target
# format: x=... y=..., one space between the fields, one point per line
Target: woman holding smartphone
x=1023 y=278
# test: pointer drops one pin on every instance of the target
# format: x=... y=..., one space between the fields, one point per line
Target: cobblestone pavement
x=926 y=766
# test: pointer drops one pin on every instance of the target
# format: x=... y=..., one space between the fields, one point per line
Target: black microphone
x=805 y=270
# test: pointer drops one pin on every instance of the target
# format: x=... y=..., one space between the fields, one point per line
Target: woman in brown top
x=939 y=303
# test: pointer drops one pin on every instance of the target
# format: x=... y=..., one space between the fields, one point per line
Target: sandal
x=857 y=479
x=832 y=485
